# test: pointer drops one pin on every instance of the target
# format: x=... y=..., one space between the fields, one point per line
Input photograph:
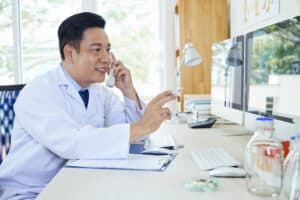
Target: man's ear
x=68 y=52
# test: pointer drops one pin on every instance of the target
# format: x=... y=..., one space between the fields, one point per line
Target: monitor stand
x=228 y=128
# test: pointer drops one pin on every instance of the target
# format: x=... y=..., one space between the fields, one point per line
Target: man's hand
x=153 y=116
x=124 y=80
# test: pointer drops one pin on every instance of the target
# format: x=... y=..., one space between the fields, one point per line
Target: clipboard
x=133 y=162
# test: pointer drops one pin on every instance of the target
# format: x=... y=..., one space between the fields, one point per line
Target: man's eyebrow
x=99 y=45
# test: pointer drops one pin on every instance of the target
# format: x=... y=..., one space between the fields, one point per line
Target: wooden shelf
x=202 y=22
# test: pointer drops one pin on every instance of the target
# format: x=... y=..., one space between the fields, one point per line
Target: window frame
x=166 y=57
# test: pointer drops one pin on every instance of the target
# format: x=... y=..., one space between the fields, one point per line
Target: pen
x=242 y=176
x=179 y=146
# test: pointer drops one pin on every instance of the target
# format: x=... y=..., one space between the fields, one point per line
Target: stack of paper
x=202 y=102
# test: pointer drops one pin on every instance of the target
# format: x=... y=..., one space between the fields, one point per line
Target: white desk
x=77 y=184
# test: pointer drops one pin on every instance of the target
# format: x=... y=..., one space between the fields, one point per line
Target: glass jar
x=263 y=160
x=293 y=144
x=291 y=180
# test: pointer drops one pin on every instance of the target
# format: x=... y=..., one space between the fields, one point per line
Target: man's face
x=90 y=64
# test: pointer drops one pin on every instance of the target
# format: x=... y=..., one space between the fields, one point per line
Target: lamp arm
x=181 y=61
x=179 y=67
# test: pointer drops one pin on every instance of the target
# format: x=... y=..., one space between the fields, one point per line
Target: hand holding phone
x=111 y=79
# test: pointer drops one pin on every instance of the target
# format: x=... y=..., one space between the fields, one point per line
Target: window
x=132 y=27
x=6 y=43
x=39 y=21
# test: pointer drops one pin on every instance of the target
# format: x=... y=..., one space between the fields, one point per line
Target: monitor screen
x=273 y=70
x=227 y=73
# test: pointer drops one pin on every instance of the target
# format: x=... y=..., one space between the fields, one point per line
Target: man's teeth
x=101 y=69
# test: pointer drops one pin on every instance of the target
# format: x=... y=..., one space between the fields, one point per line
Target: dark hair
x=71 y=29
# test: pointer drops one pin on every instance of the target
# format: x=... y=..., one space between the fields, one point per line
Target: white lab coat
x=52 y=125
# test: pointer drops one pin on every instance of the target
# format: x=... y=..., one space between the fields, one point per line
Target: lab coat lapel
x=73 y=93
x=70 y=90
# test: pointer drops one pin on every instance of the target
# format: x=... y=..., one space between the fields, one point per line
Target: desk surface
x=72 y=183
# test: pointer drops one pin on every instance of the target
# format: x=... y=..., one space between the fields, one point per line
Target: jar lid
x=264 y=118
x=293 y=137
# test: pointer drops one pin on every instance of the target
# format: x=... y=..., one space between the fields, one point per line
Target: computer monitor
x=227 y=78
x=273 y=70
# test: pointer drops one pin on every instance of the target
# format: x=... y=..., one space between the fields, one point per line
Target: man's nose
x=105 y=56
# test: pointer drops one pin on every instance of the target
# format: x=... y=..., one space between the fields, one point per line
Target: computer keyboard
x=160 y=140
x=212 y=158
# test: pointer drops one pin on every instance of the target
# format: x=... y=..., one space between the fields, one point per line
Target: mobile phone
x=111 y=79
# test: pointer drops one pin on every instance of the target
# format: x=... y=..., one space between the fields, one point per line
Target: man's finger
x=116 y=70
x=166 y=99
x=165 y=111
x=120 y=74
x=161 y=95
x=165 y=116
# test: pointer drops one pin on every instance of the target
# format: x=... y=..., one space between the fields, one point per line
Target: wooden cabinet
x=202 y=22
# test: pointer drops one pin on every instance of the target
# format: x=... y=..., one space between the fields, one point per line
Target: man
x=53 y=123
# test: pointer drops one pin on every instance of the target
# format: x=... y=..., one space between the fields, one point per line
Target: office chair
x=8 y=96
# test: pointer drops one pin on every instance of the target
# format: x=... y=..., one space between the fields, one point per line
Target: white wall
x=168 y=46
x=288 y=9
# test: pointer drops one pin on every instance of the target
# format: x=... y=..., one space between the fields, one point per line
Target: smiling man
x=65 y=114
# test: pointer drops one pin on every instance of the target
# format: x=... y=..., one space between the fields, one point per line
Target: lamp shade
x=190 y=56
x=234 y=57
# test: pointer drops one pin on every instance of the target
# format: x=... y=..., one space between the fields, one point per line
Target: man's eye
x=95 y=50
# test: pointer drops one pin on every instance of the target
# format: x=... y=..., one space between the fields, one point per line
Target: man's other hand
x=153 y=116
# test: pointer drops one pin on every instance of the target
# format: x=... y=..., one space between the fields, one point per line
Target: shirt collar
x=73 y=82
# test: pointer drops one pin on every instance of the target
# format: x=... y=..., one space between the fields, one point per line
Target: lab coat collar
x=63 y=82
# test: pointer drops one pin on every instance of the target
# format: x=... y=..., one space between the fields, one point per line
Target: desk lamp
x=189 y=57
x=233 y=60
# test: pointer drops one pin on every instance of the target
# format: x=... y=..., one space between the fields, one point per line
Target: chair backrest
x=8 y=96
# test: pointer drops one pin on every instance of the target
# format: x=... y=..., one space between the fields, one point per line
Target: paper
x=160 y=140
x=133 y=162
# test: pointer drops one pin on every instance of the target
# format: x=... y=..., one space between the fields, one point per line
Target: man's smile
x=101 y=69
